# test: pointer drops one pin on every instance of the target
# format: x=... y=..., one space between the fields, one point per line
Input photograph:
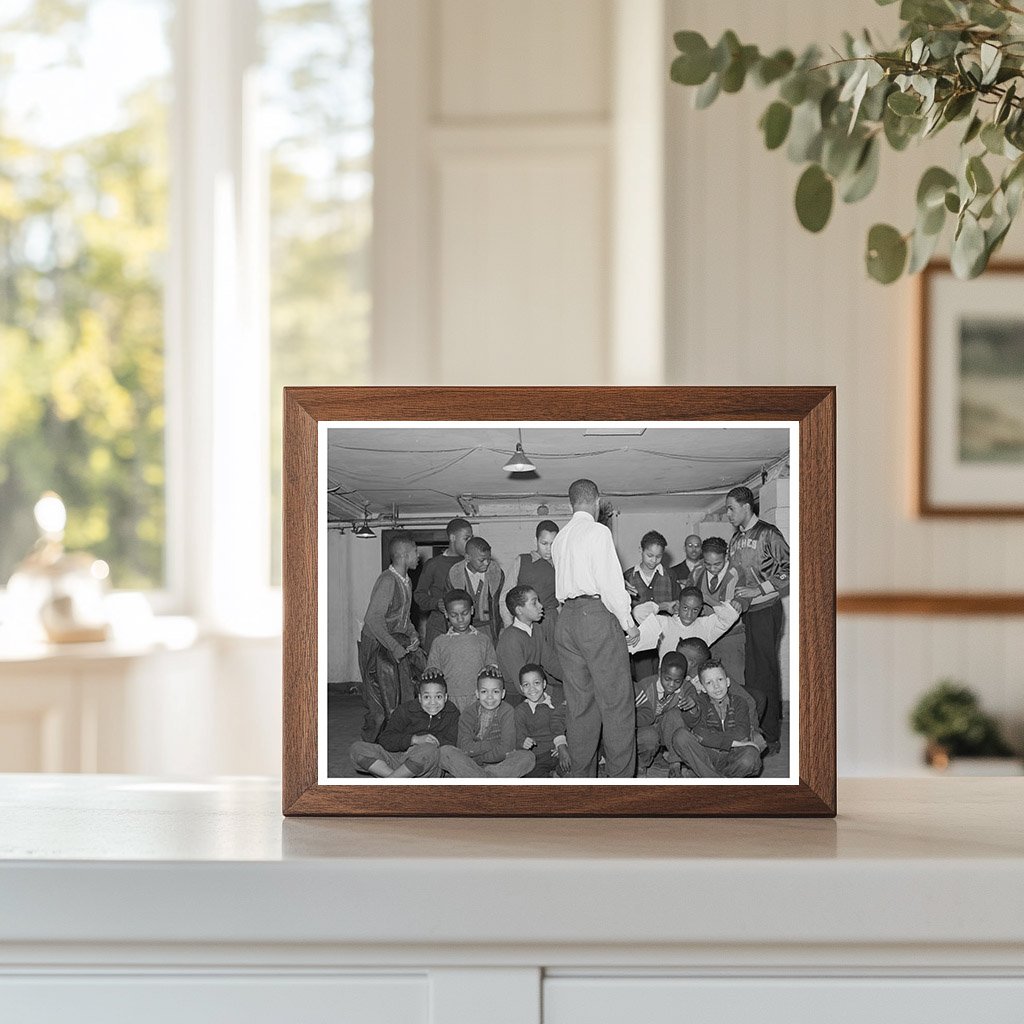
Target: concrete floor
x=345 y=718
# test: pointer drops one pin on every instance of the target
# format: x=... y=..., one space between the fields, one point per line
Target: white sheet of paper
x=650 y=634
x=645 y=610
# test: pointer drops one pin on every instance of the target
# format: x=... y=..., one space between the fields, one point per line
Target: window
x=317 y=118
x=167 y=264
x=83 y=236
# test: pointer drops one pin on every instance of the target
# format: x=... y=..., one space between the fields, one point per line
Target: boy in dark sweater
x=433 y=581
x=718 y=738
x=410 y=743
x=522 y=642
x=487 y=736
x=460 y=653
x=540 y=724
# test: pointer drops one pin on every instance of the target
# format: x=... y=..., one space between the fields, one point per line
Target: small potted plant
x=950 y=717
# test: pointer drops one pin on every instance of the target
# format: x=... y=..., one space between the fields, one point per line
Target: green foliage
x=82 y=233
x=956 y=60
x=949 y=715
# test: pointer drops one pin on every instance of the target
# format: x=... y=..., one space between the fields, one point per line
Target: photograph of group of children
x=561 y=662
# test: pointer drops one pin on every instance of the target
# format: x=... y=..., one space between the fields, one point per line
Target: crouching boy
x=411 y=741
x=719 y=737
x=540 y=723
x=487 y=736
x=660 y=699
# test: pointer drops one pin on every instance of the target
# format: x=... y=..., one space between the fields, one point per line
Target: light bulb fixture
x=363 y=530
x=520 y=461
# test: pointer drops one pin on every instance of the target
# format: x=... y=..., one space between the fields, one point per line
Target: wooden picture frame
x=807 y=412
x=962 y=414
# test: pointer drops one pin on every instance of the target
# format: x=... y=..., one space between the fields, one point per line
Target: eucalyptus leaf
x=724 y=51
x=991 y=59
x=865 y=174
x=987 y=15
x=805 y=133
x=952 y=202
x=978 y=175
x=771 y=69
x=972 y=131
x=708 y=92
x=1004 y=106
x=932 y=221
x=922 y=248
x=903 y=103
x=814 y=194
x=968 y=247
x=993 y=138
x=775 y=123
x=931 y=190
x=794 y=88
x=886 y=253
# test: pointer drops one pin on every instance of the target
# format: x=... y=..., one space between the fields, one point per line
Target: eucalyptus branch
x=833 y=117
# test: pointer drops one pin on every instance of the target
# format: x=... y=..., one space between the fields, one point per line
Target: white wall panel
x=752 y=298
x=530 y=58
x=522 y=278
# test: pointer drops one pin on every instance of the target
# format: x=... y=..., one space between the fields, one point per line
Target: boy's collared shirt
x=553 y=718
x=526 y=627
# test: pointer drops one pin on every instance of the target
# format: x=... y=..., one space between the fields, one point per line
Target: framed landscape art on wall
x=593 y=601
x=970 y=451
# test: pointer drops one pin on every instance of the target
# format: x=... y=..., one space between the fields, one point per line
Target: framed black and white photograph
x=564 y=601
x=970 y=452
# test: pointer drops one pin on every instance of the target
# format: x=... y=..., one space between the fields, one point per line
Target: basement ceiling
x=447 y=471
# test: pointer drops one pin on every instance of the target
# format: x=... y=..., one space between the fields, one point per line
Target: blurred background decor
x=971 y=393
x=54 y=593
x=950 y=717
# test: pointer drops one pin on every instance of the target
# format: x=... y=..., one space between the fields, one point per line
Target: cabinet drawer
x=568 y=1000
x=222 y=999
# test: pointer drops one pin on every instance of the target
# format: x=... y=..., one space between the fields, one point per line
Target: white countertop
x=124 y=859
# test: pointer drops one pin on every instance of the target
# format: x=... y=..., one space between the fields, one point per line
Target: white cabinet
x=128 y=898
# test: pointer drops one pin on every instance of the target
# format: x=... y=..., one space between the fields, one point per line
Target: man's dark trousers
x=598 y=690
x=764 y=677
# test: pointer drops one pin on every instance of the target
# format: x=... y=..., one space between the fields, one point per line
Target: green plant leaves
x=968 y=248
x=931 y=191
x=814 y=194
x=887 y=253
x=956 y=60
x=904 y=103
x=693 y=65
x=775 y=123
x=865 y=173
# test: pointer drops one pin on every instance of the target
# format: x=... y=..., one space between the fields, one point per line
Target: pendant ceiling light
x=363 y=530
x=520 y=461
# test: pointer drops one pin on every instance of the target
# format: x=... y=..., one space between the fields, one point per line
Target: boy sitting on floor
x=487 y=736
x=411 y=741
x=698 y=654
x=659 y=701
x=460 y=653
x=540 y=724
x=717 y=739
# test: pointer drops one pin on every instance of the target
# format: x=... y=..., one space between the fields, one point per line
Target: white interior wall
x=754 y=299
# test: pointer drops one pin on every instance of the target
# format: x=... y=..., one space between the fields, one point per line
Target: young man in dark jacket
x=414 y=734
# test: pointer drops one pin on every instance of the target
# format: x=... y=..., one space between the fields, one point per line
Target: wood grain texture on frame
x=923 y=505
x=812 y=407
x=917 y=603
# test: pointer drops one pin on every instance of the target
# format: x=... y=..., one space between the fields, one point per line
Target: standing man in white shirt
x=590 y=643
